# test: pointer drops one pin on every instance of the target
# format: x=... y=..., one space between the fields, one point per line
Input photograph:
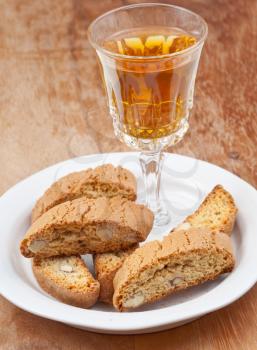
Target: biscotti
x=159 y=268
x=88 y=226
x=217 y=212
x=105 y=180
x=106 y=265
x=67 y=279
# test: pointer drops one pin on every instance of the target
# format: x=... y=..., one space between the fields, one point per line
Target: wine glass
x=149 y=55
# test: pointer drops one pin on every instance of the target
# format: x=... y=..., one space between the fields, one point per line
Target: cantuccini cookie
x=106 y=265
x=67 y=279
x=88 y=226
x=217 y=212
x=159 y=268
x=105 y=180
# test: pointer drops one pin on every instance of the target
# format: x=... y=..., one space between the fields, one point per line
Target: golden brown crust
x=74 y=286
x=104 y=180
x=217 y=212
x=156 y=255
x=87 y=226
x=106 y=265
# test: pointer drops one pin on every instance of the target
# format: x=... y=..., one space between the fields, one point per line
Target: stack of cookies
x=94 y=212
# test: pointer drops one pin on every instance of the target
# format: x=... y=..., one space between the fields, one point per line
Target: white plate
x=185 y=182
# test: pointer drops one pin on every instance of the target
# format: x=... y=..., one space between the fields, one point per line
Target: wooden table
x=52 y=108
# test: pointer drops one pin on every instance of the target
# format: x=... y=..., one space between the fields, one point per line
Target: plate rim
x=126 y=327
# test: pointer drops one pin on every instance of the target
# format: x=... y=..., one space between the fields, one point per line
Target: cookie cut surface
x=67 y=279
x=217 y=212
x=159 y=268
x=88 y=226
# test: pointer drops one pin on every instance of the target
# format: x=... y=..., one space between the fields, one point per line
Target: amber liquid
x=149 y=96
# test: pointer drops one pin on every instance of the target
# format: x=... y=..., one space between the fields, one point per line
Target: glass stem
x=151 y=165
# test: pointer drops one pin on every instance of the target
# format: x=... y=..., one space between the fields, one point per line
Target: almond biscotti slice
x=67 y=279
x=105 y=180
x=159 y=268
x=106 y=265
x=217 y=212
x=88 y=226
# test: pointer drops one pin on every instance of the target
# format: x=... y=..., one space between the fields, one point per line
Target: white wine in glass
x=149 y=55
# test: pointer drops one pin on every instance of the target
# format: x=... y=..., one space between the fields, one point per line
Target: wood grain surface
x=52 y=108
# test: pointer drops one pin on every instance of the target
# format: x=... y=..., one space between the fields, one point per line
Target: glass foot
x=161 y=217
